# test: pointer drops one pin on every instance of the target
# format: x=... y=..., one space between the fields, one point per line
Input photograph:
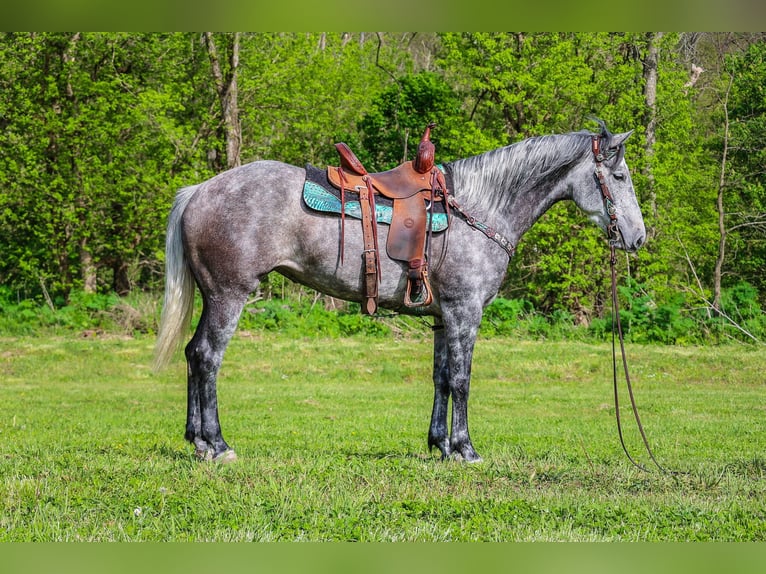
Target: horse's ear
x=616 y=140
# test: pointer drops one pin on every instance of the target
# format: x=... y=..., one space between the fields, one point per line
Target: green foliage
x=307 y=319
x=518 y=318
x=98 y=162
x=503 y=316
x=300 y=93
x=678 y=321
x=100 y=129
x=561 y=270
x=746 y=190
x=84 y=314
x=741 y=316
x=674 y=322
x=644 y=321
x=538 y=83
x=391 y=129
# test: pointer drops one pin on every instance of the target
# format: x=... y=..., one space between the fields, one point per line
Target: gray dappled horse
x=226 y=234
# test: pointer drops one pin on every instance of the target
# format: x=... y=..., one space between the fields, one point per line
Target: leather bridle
x=612 y=230
x=613 y=234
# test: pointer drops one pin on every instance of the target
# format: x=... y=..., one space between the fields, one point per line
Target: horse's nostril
x=639 y=242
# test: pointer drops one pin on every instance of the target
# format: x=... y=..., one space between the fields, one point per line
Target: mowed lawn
x=331 y=438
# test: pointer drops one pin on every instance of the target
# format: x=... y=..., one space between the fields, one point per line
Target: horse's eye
x=618 y=175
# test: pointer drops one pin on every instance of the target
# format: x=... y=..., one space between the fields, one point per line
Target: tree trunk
x=87 y=267
x=121 y=280
x=228 y=93
x=718 y=272
x=88 y=271
x=650 y=99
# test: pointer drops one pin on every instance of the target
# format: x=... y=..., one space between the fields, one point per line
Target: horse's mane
x=491 y=180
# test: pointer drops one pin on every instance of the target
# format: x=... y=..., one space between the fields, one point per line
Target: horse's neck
x=505 y=199
x=527 y=206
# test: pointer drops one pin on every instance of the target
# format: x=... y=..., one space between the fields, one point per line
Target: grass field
x=333 y=447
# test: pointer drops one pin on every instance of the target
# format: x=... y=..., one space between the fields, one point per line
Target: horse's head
x=607 y=195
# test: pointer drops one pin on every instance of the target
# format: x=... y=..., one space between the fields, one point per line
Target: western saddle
x=413 y=187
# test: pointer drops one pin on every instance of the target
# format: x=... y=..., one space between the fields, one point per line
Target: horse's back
x=234 y=192
x=237 y=226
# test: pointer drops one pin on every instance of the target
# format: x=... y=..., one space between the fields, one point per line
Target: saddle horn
x=424 y=160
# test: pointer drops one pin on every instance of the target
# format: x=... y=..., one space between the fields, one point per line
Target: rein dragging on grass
x=617 y=330
x=613 y=234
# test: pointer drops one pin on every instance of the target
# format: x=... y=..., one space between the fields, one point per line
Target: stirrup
x=423 y=294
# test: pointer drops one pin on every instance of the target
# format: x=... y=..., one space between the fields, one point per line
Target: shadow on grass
x=172 y=453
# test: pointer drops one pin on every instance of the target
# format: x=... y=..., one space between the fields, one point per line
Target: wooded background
x=99 y=130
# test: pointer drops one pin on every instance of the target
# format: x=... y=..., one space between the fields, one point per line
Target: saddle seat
x=401 y=182
x=412 y=192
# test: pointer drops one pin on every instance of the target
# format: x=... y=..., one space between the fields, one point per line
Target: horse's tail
x=179 y=286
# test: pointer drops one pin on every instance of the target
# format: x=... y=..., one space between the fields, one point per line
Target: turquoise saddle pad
x=319 y=199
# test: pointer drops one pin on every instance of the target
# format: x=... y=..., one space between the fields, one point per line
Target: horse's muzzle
x=631 y=242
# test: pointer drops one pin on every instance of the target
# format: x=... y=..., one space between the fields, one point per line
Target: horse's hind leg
x=204 y=355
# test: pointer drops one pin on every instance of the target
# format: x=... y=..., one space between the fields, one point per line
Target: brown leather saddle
x=413 y=187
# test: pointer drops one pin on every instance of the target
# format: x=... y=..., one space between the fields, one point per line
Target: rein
x=613 y=236
x=490 y=232
x=451 y=203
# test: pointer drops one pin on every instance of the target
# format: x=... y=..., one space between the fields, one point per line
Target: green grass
x=331 y=438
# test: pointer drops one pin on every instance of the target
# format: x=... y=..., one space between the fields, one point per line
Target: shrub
x=674 y=321
x=645 y=321
x=503 y=316
x=741 y=317
x=310 y=319
x=82 y=312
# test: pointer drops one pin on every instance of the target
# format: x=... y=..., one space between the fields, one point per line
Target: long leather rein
x=613 y=233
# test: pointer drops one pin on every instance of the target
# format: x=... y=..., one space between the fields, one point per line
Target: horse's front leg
x=438 y=435
x=461 y=329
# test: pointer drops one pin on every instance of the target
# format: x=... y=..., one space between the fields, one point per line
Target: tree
x=301 y=93
x=534 y=84
x=726 y=229
x=99 y=156
x=391 y=129
x=99 y=130
x=742 y=195
x=675 y=176
x=722 y=231
x=651 y=65
x=225 y=83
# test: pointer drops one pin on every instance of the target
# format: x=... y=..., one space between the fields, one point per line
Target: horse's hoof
x=207 y=455
x=470 y=455
x=226 y=457
x=204 y=454
x=470 y=459
x=466 y=453
x=445 y=453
